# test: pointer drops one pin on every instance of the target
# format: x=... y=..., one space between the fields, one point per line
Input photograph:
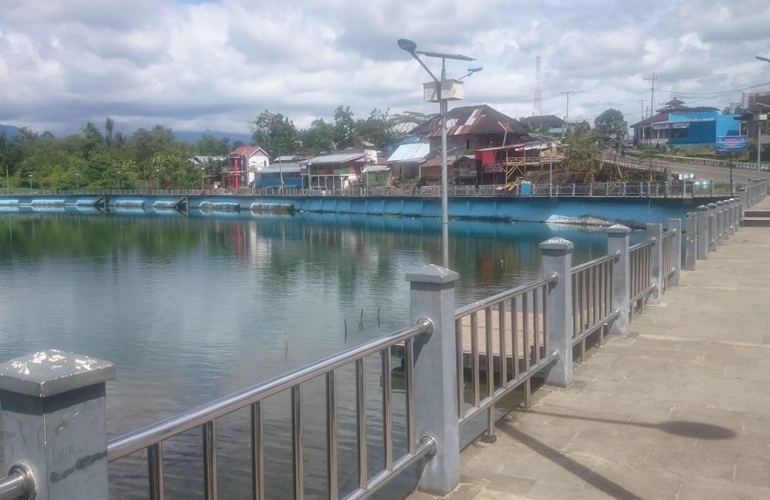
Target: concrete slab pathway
x=678 y=409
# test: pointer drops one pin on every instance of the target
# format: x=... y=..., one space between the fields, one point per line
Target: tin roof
x=248 y=151
x=410 y=153
x=550 y=120
x=345 y=156
x=281 y=167
x=471 y=120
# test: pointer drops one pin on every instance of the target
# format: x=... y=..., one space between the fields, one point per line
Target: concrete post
x=432 y=292
x=720 y=223
x=742 y=204
x=618 y=237
x=733 y=204
x=557 y=259
x=712 y=229
x=736 y=214
x=691 y=242
x=54 y=421
x=655 y=230
x=675 y=224
x=702 y=245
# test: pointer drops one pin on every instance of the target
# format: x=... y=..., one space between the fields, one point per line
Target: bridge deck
x=680 y=408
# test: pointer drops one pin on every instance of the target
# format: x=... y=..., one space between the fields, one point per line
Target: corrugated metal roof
x=248 y=151
x=410 y=153
x=340 y=157
x=472 y=120
x=376 y=168
x=286 y=158
x=281 y=167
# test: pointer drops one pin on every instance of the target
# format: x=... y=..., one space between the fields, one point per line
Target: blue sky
x=194 y=65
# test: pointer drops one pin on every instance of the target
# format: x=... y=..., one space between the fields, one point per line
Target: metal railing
x=669 y=253
x=593 y=190
x=592 y=306
x=18 y=485
x=151 y=438
x=515 y=334
x=640 y=269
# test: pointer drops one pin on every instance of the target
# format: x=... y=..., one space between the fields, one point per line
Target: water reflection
x=193 y=308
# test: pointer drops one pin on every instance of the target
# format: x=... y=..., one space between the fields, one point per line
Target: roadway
x=702 y=172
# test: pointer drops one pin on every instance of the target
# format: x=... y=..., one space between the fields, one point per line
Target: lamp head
x=407 y=45
x=475 y=69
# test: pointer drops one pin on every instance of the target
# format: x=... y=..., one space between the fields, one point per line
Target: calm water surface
x=191 y=309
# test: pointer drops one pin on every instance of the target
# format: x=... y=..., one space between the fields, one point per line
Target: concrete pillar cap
x=50 y=372
x=432 y=274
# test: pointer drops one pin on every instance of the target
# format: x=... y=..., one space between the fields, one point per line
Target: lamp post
x=759 y=122
x=30 y=180
x=157 y=179
x=77 y=181
x=452 y=88
x=7 y=179
x=569 y=93
x=118 y=179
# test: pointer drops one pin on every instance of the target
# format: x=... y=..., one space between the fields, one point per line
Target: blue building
x=691 y=128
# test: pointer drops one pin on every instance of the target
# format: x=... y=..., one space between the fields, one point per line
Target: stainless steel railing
x=18 y=485
x=592 y=306
x=669 y=253
x=515 y=338
x=640 y=269
x=151 y=438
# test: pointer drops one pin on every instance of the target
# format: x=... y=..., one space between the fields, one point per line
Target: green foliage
x=274 y=133
x=582 y=152
x=611 y=122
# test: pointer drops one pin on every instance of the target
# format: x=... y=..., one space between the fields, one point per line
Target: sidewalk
x=678 y=409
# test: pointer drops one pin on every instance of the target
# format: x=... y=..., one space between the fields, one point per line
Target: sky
x=215 y=65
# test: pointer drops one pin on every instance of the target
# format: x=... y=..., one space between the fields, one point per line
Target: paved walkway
x=678 y=409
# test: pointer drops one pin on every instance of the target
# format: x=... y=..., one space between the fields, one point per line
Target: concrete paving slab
x=679 y=408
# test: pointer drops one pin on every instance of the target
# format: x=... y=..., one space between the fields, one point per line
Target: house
x=470 y=128
x=243 y=165
x=550 y=125
x=406 y=160
x=286 y=173
x=461 y=169
x=378 y=174
x=504 y=164
x=679 y=125
x=339 y=169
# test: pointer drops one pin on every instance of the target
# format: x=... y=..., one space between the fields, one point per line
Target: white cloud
x=216 y=65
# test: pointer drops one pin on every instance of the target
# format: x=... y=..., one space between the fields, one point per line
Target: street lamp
x=441 y=91
x=568 y=93
x=30 y=180
x=766 y=59
x=759 y=135
x=157 y=179
x=118 y=179
x=77 y=181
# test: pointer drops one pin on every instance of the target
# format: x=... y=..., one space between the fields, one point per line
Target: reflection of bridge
x=693 y=381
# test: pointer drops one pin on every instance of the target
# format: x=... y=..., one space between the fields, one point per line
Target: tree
x=611 y=122
x=582 y=153
x=377 y=129
x=274 y=133
x=318 y=137
x=208 y=145
x=344 y=128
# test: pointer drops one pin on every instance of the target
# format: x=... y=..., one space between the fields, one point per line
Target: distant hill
x=10 y=130
x=194 y=136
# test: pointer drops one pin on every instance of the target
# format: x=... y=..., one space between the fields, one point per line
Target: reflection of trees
x=349 y=255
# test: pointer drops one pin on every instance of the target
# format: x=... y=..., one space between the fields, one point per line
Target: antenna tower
x=538 y=99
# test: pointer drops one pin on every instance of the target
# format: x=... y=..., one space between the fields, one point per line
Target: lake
x=193 y=308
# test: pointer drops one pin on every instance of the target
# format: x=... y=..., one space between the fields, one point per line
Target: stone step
x=755 y=222
x=757 y=213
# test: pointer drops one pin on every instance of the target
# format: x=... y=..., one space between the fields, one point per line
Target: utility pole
x=641 y=114
x=568 y=93
x=652 y=96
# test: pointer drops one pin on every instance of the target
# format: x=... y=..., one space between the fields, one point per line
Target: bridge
x=627 y=409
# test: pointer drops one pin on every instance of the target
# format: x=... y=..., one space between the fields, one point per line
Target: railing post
x=691 y=244
x=741 y=204
x=675 y=224
x=557 y=260
x=54 y=421
x=432 y=294
x=720 y=222
x=731 y=215
x=655 y=231
x=712 y=229
x=618 y=237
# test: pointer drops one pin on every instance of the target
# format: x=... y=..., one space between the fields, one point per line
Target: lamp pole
x=157 y=179
x=411 y=47
x=77 y=181
x=759 y=122
x=568 y=93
